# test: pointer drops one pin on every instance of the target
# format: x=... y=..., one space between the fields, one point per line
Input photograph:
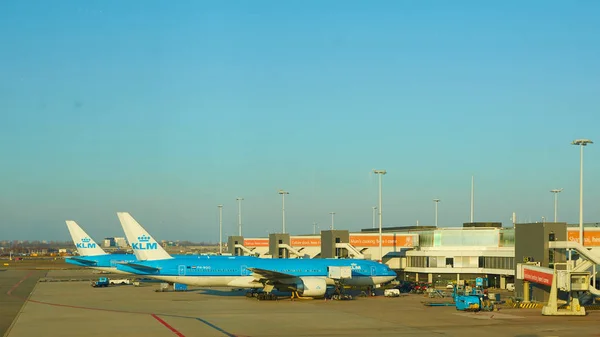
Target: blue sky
x=167 y=109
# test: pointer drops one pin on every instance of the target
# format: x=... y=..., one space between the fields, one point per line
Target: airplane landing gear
x=251 y=293
x=339 y=293
x=261 y=295
x=267 y=297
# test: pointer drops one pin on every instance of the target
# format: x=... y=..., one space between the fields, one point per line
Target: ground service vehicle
x=102 y=282
x=475 y=300
x=120 y=281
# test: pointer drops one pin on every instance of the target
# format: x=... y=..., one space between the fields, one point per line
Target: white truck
x=114 y=281
x=391 y=293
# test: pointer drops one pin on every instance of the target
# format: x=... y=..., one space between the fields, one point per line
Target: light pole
x=332 y=216
x=374 y=209
x=220 y=228
x=381 y=173
x=283 y=193
x=239 y=200
x=436 y=201
x=314 y=228
x=556 y=191
x=581 y=143
x=472 y=197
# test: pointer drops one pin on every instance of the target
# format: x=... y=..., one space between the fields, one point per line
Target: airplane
x=303 y=277
x=91 y=255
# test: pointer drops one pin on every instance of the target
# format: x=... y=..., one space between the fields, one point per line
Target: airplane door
x=373 y=271
x=181 y=270
x=244 y=271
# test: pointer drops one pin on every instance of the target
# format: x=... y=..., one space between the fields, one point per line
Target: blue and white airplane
x=306 y=277
x=92 y=256
x=90 y=253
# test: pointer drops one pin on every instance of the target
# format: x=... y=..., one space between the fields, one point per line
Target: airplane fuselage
x=109 y=262
x=233 y=272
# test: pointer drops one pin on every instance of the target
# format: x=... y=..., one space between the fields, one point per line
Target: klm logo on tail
x=144 y=243
x=85 y=243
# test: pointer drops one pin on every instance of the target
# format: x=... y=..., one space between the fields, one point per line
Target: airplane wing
x=271 y=276
x=141 y=267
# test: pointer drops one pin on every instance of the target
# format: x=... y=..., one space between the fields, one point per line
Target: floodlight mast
x=556 y=191
x=374 y=209
x=220 y=229
x=332 y=217
x=581 y=143
x=283 y=193
x=381 y=173
x=239 y=200
x=436 y=201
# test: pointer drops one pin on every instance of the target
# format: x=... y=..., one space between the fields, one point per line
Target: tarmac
x=14 y=292
x=64 y=304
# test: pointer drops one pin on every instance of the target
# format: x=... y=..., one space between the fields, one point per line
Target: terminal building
x=118 y=242
x=417 y=253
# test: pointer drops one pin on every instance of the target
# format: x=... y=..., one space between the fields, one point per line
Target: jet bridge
x=336 y=244
x=352 y=251
x=532 y=248
x=567 y=281
x=292 y=250
x=559 y=278
x=235 y=245
x=588 y=259
x=280 y=247
x=238 y=247
x=277 y=243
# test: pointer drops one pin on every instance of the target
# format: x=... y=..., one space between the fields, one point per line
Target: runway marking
x=155 y=316
x=229 y=334
x=215 y=327
x=9 y=292
x=167 y=325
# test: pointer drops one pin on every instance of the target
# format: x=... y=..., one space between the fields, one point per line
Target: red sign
x=536 y=276
x=590 y=238
x=306 y=242
x=256 y=242
x=394 y=240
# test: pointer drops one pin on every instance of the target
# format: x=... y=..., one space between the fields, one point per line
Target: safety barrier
x=530 y=305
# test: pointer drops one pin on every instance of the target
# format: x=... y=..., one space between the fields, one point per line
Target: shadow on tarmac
x=232 y=292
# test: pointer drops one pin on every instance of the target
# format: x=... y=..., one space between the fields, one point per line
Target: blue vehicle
x=102 y=282
x=304 y=277
x=475 y=300
x=91 y=255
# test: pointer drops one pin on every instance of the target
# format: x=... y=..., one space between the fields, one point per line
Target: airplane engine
x=311 y=286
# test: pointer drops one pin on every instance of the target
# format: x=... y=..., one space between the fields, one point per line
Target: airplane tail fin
x=86 y=246
x=144 y=246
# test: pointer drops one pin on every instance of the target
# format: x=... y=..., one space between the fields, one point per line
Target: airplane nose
x=389 y=278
